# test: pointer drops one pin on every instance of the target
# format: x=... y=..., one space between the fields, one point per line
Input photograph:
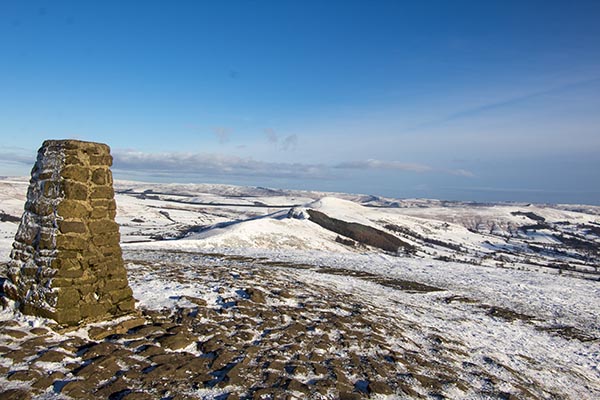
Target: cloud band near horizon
x=180 y=163
x=225 y=165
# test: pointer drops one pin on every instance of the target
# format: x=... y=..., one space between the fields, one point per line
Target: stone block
x=72 y=227
x=121 y=294
x=103 y=271
x=76 y=173
x=101 y=160
x=71 y=255
x=92 y=310
x=67 y=316
x=101 y=176
x=87 y=289
x=41 y=208
x=78 y=145
x=111 y=251
x=115 y=284
x=87 y=278
x=31 y=309
x=73 y=209
x=28 y=234
x=29 y=270
x=69 y=273
x=101 y=213
x=45 y=272
x=62 y=282
x=93 y=258
x=106 y=239
x=76 y=159
x=75 y=190
x=109 y=270
x=102 y=192
x=67 y=297
x=51 y=189
x=45 y=175
x=127 y=305
x=103 y=226
x=99 y=203
x=71 y=242
x=46 y=242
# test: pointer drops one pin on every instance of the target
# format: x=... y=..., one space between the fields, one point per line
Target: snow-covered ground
x=491 y=300
x=519 y=319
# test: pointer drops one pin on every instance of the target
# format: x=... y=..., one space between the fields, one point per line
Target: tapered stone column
x=66 y=262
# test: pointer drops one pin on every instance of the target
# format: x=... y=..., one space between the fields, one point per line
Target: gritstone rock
x=66 y=263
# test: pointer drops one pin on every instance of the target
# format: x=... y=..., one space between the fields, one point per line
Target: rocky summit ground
x=227 y=327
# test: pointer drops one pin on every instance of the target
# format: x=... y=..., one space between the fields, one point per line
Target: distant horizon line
x=25 y=179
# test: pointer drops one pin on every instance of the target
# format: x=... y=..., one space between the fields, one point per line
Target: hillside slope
x=243 y=293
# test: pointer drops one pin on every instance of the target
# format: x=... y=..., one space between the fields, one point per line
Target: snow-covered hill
x=557 y=239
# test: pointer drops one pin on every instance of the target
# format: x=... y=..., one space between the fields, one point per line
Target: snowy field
x=481 y=300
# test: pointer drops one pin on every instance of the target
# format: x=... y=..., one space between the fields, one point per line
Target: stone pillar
x=66 y=262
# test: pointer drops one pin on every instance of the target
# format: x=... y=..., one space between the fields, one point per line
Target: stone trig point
x=66 y=262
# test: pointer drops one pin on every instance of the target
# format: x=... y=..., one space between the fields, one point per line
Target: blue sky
x=464 y=100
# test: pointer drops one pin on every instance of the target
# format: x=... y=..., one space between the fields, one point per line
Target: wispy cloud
x=289 y=142
x=505 y=102
x=17 y=155
x=213 y=165
x=461 y=172
x=400 y=166
x=271 y=135
x=286 y=143
x=389 y=165
x=222 y=134
x=207 y=164
x=225 y=165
